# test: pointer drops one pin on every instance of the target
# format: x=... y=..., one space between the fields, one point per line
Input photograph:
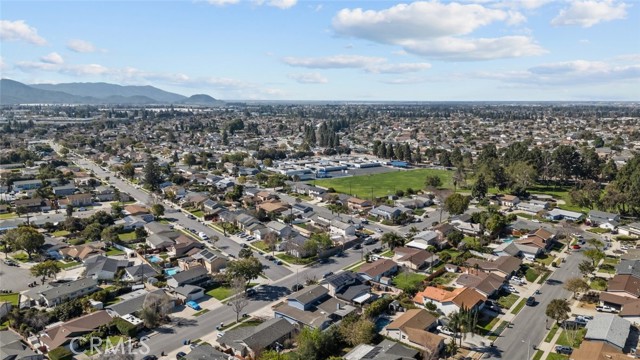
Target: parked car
x=586 y=317
x=150 y=357
x=575 y=247
x=180 y=355
x=297 y=287
x=511 y=289
x=560 y=349
x=191 y=216
x=607 y=309
x=445 y=330
x=327 y=274
x=194 y=305
x=242 y=235
x=357 y=247
x=277 y=262
x=531 y=301
x=581 y=321
x=220 y=333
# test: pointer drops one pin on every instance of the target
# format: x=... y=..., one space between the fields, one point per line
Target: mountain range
x=14 y=92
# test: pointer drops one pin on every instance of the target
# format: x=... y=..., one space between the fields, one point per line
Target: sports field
x=385 y=183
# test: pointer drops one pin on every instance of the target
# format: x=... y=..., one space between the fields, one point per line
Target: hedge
x=125 y=328
x=60 y=353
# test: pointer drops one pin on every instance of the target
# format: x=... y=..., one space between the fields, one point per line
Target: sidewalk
x=548 y=347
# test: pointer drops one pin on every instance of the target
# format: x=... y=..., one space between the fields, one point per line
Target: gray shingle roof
x=629 y=267
x=69 y=288
x=610 y=328
x=309 y=294
x=206 y=352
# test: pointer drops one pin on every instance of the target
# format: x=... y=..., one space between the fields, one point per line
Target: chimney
x=338 y=306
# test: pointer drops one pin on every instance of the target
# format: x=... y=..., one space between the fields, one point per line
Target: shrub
x=125 y=328
x=60 y=353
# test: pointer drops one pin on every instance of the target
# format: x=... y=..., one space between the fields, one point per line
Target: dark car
x=531 y=301
x=150 y=357
x=326 y=275
x=181 y=355
x=564 y=350
x=297 y=287
x=357 y=247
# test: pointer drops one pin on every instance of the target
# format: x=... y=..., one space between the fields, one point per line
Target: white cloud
x=570 y=73
x=3 y=65
x=438 y=30
x=334 y=62
x=85 y=70
x=282 y=4
x=590 y=12
x=405 y=80
x=80 y=46
x=222 y=2
x=397 y=68
x=309 y=78
x=19 y=30
x=53 y=58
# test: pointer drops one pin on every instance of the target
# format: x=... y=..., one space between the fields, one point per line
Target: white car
x=445 y=330
x=511 y=289
x=535 y=220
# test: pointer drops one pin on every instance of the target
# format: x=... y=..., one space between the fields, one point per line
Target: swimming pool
x=508 y=239
x=381 y=323
x=172 y=271
x=154 y=259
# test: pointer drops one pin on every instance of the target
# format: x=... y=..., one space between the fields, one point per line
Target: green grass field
x=127 y=236
x=60 y=233
x=563 y=339
x=384 y=184
x=506 y=301
x=220 y=293
x=408 y=281
x=7 y=216
x=519 y=307
x=551 y=333
x=11 y=298
x=66 y=265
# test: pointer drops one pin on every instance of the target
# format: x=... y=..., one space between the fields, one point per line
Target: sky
x=437 y=50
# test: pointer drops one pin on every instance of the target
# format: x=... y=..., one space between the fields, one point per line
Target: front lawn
x=250 y=322
x=552 y=333
x=452 y=253
x=66 y=265
x=545 y=259
x=531 y=274
x=610 y=260
x=598 y=284
x=198 y=213
x=471 y=241
x=408 y=281
x=607 y=268
x=538 y=355
x=201 y=312
x=260 y=245
x=21 y=256
x=294 y=260
x=60 y=233
x=507 y=301
x=577 y=336
x=598 y=230
x=519 y=307
x=220 y=293
x=388 y=253
x=11 y=298
x=7 y=216
x=556 y=356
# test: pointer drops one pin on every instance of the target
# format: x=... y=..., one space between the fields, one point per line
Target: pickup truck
x=608 y=309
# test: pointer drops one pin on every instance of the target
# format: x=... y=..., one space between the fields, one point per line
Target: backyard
x=127 y=236
x=408 y=281
x=11 y=298
x=445 y=278
x=384 y=184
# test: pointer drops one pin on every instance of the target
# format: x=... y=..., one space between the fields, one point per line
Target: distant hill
x=201 y=99
x=14 y=92
x=104 y=90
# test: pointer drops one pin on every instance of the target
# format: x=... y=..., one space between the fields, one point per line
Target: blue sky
x=333 y=50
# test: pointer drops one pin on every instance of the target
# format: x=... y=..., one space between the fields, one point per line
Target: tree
x=595 y=255
x=456 y=204
x=586 y=267
x=558 y=309
x=433 y=181
x=455 y=237
x=479 y=188
x=110 y=235
x=576 y=285
x=45 y=269
x=357 y=330
x=566 y=162
x=392 y=240
x=239 y=300
x=522 y=175
x=155 y=309
x=189 y=159
x=116 y=209
x=152 y=176
x=248 y=269
x=128 y=171
x=451 y=348
x=28 y=239
x=270 y=239
x=245 y=253
x=92 y=232
x=69 y=210
x=599 y=245
x=586 y=194
x=157 y=210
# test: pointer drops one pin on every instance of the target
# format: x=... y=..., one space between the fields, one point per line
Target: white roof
x=362 y=298
x=418 y=244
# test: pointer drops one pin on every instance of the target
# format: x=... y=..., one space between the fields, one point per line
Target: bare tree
x=239 y=300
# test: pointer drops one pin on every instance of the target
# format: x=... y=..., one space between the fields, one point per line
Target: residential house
x=385 y=212
x=312 y=307
x=133 y=302
x=80 y=199
x=610 y=329
x=450 y=301
x=212 y=261
x=559 y=214
x=629 y=267
x=632 y=229
x=62 y=334
x=183 y=244
x=250 y=341
x=532 y=206
x=64 y=190
x=300 y=209
x=155 y=227
x=189 y=292
x=505 y=266
x=139 y=272
x=33 y=204
x=413 y=327
x=138 y=210
x=24 y=185
x=159 y=242
x=414 y=258
x=194 y=200
x=105 y=193
x=624 y=285
x=282 y=230
x=129 y=223
x=356 y=204
x=295 y=246
x=424 y=239
x=631 y=312
x=84 y=251
x=600 y=218
x=350 y=287
x=386 y=350
x=486 y=284
x=273 y=207
x=104 y=268
x=597 y=350
x=377 y=270
x=509 y=200
x=443 y=230
x=207 y=352
x=4 y=209
x=342 y=228
x=68 y=291
x=466 y=226
x=192 y=276
x=12 y=348
x=535 y=243
x=209 y=206
x=316 y=192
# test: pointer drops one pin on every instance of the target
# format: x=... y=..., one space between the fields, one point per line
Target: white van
x=203 y=236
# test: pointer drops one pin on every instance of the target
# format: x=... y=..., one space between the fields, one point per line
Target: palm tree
x=393 y=240
x=451 y=348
